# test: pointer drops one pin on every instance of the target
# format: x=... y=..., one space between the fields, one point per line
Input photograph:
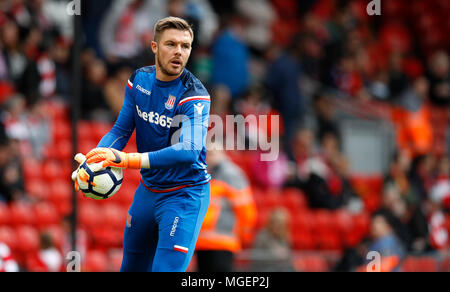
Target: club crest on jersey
x=170 y=102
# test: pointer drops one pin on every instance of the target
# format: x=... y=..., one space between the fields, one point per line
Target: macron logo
x=174 y=226
x=199 y=107
x=143 y=90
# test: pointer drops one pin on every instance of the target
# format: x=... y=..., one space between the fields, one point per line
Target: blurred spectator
x=114 y=89
x=420 y=176
x=49 y=255
x=385 y=241
x=272 y=247
x=127 y=28
x=283 y=81
x=440 y=190
x=93 y=102
x=439 y=77
x=11 y=178
x=414 y=128
x=326 y=119
x=29 y=126
x=260 y=15
x=353 y=258
x=230 y=218
x=438 y=236
x=14 y=58
x=7 y=262
x=230 y=58
x=221 y=101
x=324 y=177
x=398 y=80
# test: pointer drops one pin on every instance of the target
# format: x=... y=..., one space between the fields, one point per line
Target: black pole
x=75 y=110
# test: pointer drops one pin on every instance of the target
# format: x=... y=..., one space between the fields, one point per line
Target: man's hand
x=114 y=158
x=80 y=158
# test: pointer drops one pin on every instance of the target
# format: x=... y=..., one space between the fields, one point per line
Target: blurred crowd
x=298 y=59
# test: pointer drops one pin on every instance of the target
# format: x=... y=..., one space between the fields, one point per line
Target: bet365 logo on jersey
x=154 y=118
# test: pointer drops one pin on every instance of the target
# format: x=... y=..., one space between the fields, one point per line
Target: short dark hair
x=168 y=23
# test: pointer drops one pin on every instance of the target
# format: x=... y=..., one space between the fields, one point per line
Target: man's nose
x=178 y=50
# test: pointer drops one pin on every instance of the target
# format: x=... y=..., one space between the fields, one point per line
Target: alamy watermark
x=74 y=8
x=375 y=261
x=74 y=261
x=374 y=8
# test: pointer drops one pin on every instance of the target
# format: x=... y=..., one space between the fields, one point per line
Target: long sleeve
x=192 y=139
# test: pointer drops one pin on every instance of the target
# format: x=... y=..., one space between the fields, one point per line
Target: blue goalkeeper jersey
x=171 y=121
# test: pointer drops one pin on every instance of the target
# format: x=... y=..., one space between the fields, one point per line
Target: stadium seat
x=51 y=170
x=361 y=222
x=303 y=221
x=27 y=239
x=114 y=216
x=61 y=131
x=8 y=236
x=21 y=214
x=57 y=234
x=114 y=260
x=37 y=189
x=323 y=221
x=32 y=170
x=303 y=240
x=328 y=240
x=311 y=263
x=63 y=150
x=343 y=221
x=419 y=264
x=294 y=199
x=96 y=261
x=89 y=215
x=4 y=214
x=46 y=214
x=99 y=130
x=106 y=237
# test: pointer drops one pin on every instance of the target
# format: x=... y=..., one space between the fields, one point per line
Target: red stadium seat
x=107 y=237
x=344 y=221
x=46 y=214
x=99 y=130
x=37 y=188
x=51 y=170
x=328 y=240
x=96 y=261
x=63 y=149
x=8 y=236
x=303 y=221
x=419 y=264
x=4 y=214
x=90 y=215
x=311 y=263
x=27 y=239
x=303 y=240
x=61 y=131
x=21 y=214
x=32 y=170
x=294 y=200
x=114 y=216
x=114 y=260
x=57 y=234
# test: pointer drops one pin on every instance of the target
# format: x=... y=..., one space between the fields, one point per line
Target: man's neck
x=164 y=77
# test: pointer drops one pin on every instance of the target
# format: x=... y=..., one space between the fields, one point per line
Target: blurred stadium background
x=364 y=102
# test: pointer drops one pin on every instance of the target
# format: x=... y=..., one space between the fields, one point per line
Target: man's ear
x=154 y=47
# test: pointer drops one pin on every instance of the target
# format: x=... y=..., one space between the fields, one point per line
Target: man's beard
x=164 y=70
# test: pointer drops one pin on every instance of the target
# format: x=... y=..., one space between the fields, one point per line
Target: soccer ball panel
x=101 y=184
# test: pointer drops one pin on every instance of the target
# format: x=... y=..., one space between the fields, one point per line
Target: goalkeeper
x=169 y=108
